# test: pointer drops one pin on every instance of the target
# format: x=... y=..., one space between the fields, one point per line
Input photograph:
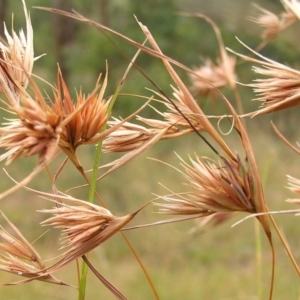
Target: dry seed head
x=16 y=60
x=186 y=109
x=20 y=257
x=280 y=90
x=90 y=114
x=85 y=226
x=272 y=23
x=215 y=187
x=36 y=131
x=131 y=136
x=41 y=128
x=208 y=77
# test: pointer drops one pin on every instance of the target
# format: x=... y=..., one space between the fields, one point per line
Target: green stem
x=84 y=268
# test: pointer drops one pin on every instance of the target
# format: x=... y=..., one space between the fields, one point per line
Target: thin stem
x=273 y=267
x=113 y=289
x=92 y=189
x=238 y=101
x=141 y=265
x=258 y=258
x=286 y=247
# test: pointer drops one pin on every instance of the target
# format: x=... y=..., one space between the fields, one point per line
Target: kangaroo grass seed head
x=43 y=128
x=182 y=107
x=16 y=60
x=130 y=136
x=273 y=24
x=210 y=76
x=84 y=227
x=36 y=131
x=279 y=90
x=89 y=114
x=20 y=257
x=214 y=187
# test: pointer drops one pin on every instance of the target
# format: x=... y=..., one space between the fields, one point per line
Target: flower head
x=90 y=114
x=279 y=90
x=210 y=76
x=272 y=23
x=84 y=227
x=131 y=136
x=16 y=60
x=36 y=131
x=21 y=258
x=215 y=188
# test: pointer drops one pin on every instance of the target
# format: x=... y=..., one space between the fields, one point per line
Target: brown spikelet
x=85 y=125
x=21 y=258
x=84 y=227
x=36 y=131
x=131 y=136
x=215 y=187
x=16 y=60
x=273 y=24
x=210 y=76
x=279 y=90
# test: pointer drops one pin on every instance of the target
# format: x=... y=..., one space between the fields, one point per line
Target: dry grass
x=54 y=127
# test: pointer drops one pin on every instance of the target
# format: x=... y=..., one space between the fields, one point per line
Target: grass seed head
x=36 y=131
x=20 y=257
x=210 y=76
x=130 y=136
x=16 y=60
x=83 y=119
x=279 y=90
x=84 y=227
x=215 y=188
x=273 y=24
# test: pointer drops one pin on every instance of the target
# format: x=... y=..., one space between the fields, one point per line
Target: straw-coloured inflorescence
x=84 y=227
x=20 y=257
x=87 y=116
x=279 y=90
x=16 y=60
x=273 y=24
x=210 y=76
x=35 y=131
x=131 y=136
x=41 y=125
x=214 y=187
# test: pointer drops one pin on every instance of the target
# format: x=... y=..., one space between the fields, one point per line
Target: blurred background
x=184 y=262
